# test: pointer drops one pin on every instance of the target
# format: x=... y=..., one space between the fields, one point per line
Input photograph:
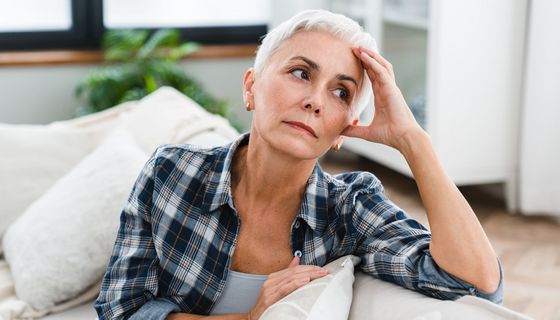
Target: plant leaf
x=118 y=54
x=159 y=39
x=133 y=94
x=122 y=44
x=146 y=64
x=183 y=50
x=150 y=82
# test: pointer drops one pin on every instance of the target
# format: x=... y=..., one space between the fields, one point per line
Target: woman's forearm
x=459 y=244
x=188 y=316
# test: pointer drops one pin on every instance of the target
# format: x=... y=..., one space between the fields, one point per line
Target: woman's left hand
x=393 y=121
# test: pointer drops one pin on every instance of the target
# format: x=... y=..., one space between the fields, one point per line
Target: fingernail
x=355 y=122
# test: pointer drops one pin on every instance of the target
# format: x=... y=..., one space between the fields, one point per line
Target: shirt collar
x=316 y=200
x=219 y=183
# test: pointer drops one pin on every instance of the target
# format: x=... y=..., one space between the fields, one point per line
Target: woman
x=228 y=231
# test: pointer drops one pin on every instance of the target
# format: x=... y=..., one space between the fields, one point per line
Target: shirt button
x=297 y=224
x=298 y=254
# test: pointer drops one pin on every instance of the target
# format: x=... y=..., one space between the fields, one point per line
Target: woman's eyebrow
x=313 y=65
x=343 y=77
x=310 y=62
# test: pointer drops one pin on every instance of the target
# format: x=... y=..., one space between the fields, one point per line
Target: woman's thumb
x=355 y=131
x=295 y=262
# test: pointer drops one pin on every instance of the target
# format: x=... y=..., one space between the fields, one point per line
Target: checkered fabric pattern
x=179 y=228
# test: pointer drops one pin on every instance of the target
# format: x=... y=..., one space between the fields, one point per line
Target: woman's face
x=302 y=98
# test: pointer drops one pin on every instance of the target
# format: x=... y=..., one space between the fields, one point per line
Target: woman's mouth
x=301 y=127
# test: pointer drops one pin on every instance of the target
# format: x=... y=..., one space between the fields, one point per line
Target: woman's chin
x=299 y=148
x=292 y=143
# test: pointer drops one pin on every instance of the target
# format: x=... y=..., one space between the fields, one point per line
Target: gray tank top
x=240 y=294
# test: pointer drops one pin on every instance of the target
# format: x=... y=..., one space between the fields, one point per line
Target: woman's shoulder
x=178 y=149
x=355 y=182
x=183 y=155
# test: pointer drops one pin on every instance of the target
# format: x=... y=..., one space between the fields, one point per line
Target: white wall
x=539 y=186
x=42 y=94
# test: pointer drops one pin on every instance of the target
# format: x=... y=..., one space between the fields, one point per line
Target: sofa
x=64 y=184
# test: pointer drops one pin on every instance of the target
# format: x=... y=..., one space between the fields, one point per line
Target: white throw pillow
x=326 y=298
x=33 y=158
x=62 y=243
x=172 y=118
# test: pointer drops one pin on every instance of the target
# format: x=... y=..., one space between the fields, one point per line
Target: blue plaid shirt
x=179 y=227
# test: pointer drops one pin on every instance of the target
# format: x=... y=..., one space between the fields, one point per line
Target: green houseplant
x=136 y=64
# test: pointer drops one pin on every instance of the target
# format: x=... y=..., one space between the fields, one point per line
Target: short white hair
x=337 y=25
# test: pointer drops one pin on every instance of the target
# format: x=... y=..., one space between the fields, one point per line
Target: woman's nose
x=313 y=107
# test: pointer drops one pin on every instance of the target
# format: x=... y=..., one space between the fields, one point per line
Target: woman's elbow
x=489 y=278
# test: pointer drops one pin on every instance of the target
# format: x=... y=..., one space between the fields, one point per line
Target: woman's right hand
x=282 y=283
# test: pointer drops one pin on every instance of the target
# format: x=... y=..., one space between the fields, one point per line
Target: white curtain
x=539 y=181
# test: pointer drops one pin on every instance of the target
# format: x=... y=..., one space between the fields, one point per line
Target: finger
x=275 y=292
x=374 y=69
x=290 y=286
x=358 y=53
x=356 y=131
x=271 y=293
x=301 y=269
x=313 y=273
x=295 y=269
x=295 y=262
x=273 y=283
x=379 y=58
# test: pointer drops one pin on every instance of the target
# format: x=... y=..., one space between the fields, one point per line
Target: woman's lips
x=302 y=126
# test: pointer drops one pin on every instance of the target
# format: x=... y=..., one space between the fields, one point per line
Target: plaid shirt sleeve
x=395 y=248
x=130 y=284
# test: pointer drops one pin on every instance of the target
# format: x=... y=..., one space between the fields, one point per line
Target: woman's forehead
x=323 y=49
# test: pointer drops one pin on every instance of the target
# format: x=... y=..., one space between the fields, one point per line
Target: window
x=173 y=13
x=47 y=15
x=77 y=24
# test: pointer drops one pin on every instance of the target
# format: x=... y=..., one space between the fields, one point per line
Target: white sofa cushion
x=377 y=299
x=62 y=243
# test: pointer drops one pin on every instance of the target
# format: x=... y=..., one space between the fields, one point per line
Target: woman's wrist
x=413 y=142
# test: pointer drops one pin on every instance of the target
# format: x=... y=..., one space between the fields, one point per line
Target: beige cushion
x=62 y=243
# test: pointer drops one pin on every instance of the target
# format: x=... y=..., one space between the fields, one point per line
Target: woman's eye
x=300 y=73
x=342 y=94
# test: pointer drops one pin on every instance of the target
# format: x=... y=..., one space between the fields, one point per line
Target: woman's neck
x=264 y=175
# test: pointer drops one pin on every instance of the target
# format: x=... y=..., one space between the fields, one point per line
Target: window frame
x=88 y=28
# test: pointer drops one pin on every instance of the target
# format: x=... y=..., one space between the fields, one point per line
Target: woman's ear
x=337 y=143
x=339 y=140
x=248 y=83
